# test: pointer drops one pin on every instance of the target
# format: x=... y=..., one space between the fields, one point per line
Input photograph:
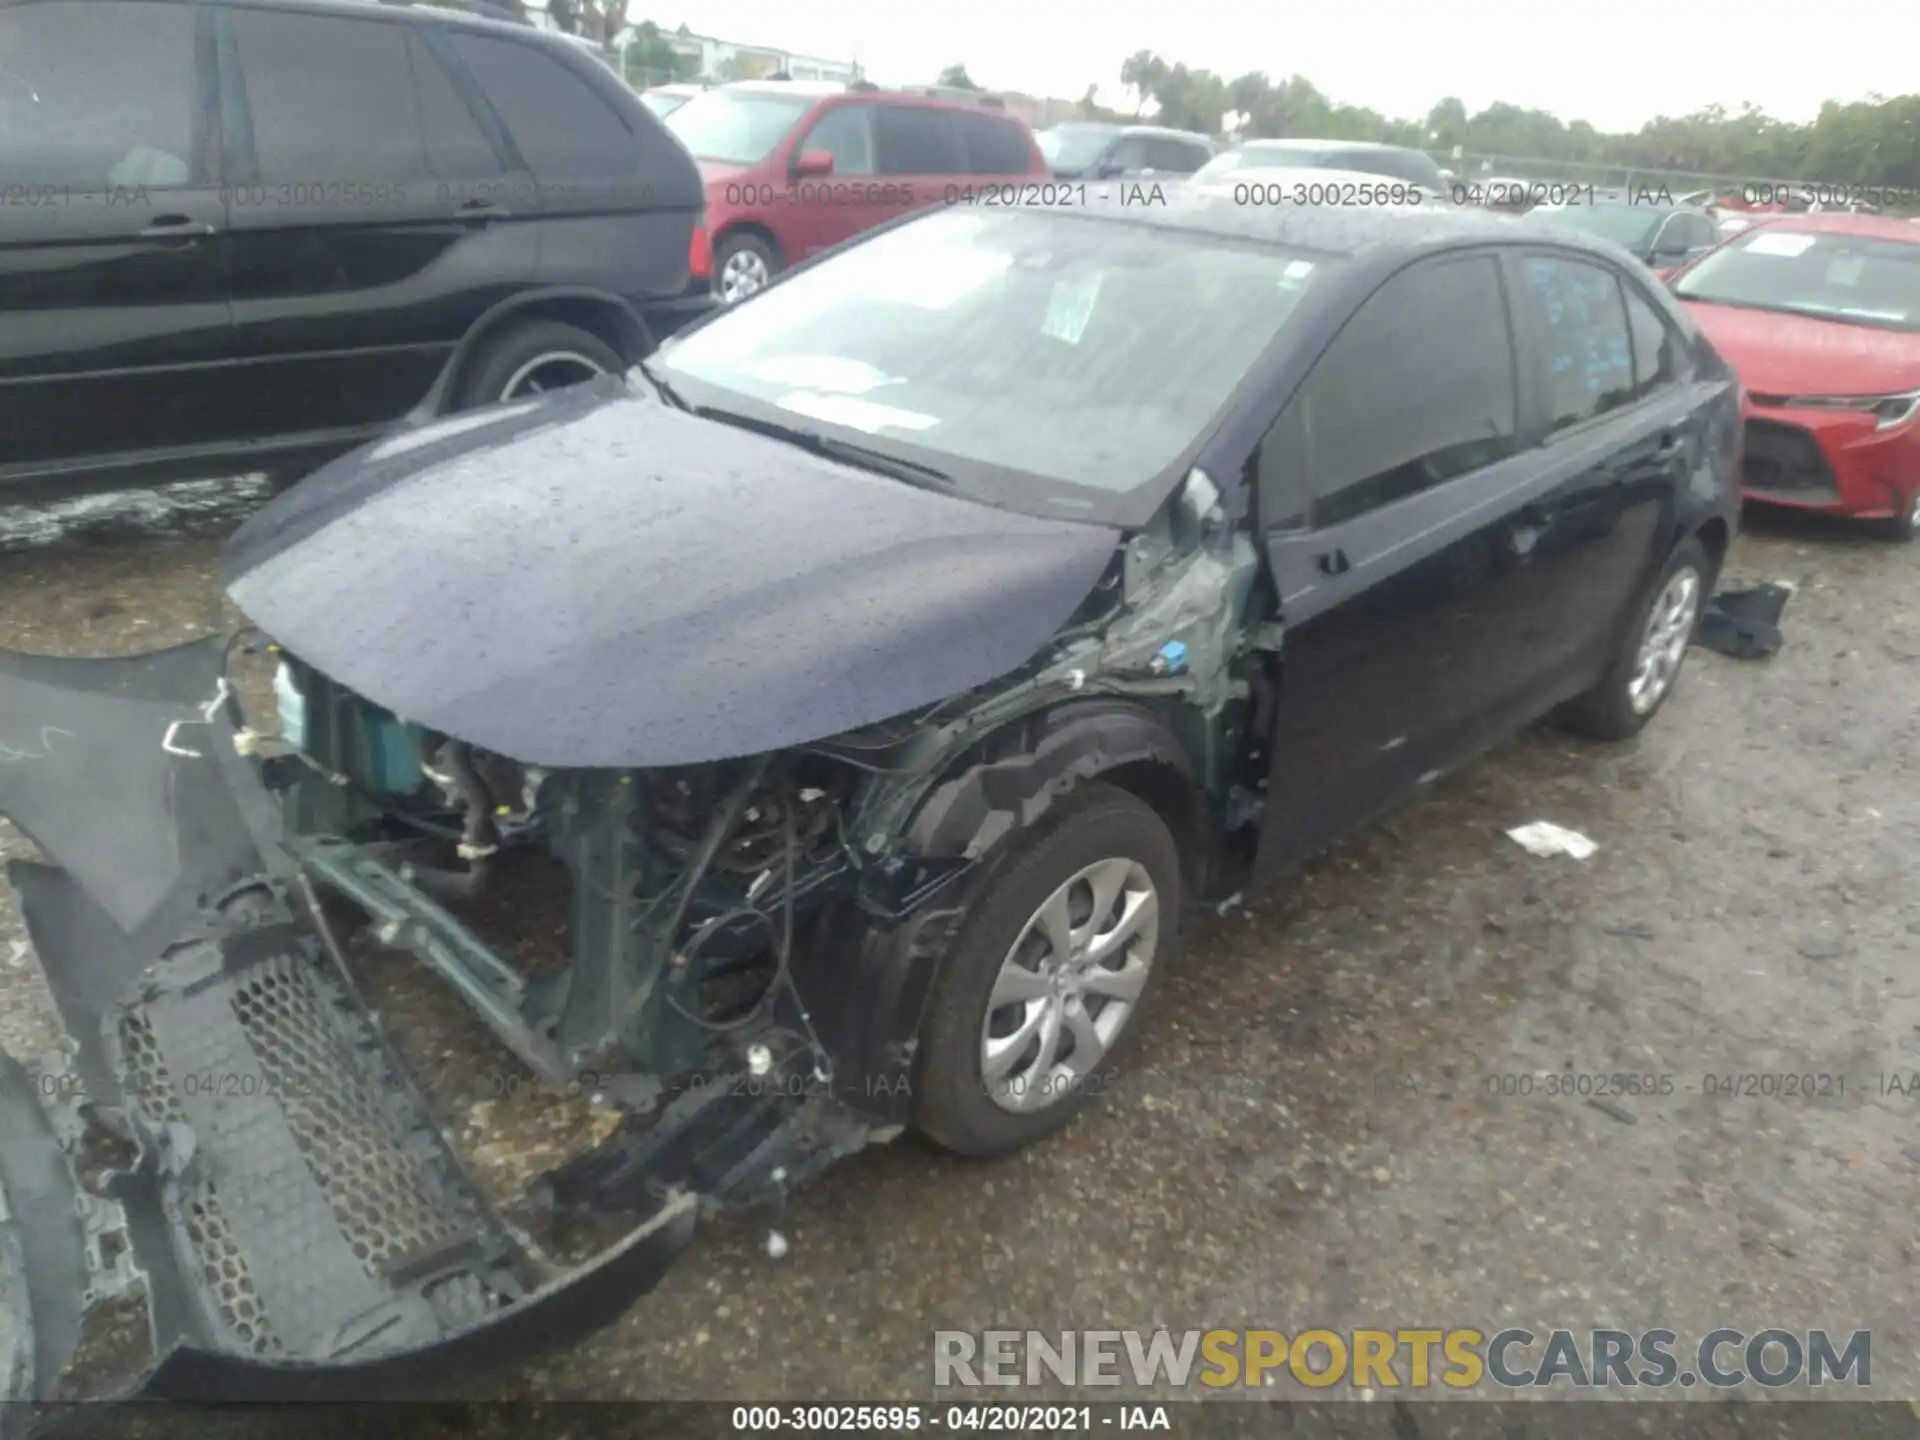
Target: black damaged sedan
x=889 y=666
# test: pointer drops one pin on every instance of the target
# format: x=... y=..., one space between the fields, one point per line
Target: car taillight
x=700 y=254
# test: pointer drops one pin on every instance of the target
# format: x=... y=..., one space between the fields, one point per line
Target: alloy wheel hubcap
x=554 y=371
x=1669 y=631
x=1069 y=985
x=743 y=273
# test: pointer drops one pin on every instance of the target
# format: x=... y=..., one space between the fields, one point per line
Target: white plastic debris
x=1543 y=837
x=776 y=1245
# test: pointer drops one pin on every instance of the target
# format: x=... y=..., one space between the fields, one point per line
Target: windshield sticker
x=1071 y=307
x=1845 y=269
x=820 y=372
x=1773 y=242
x=855 y=413
x=1298 y=269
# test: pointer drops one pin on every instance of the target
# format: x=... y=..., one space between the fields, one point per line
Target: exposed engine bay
x=750 y=945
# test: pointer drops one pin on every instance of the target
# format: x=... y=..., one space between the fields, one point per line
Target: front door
x=1392 y=491
x=114 y=326
x=818 y=212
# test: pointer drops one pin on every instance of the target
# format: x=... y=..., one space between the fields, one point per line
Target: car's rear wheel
x=745 y=265
x=1904 y=527
x=1651 y=651
x=1048 y=975
x=530 y=359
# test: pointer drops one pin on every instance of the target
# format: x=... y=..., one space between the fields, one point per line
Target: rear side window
x=1694 y=231
x=330 y=98
x=1583 y=317
x=1174 y=157
x=993 y=146
x=1380 y=420
x=846 y=133
x=457 y=148
x=559 y=123
x=96 y=95
x=1656 y=354
x=917 y=140
x=1130 y=154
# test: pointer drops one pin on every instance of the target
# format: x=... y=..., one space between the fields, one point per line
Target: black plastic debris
x=1745 y=623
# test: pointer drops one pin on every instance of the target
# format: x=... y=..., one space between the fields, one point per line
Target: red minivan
x=794 y=168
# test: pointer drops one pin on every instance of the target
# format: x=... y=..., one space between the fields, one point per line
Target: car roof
x=1115 y=127
x=834 y=89
x=1284 y=175
x=1305 y=144
x=1839 y=222
x=805 y=89
x=1336 y=230
x=481 y=15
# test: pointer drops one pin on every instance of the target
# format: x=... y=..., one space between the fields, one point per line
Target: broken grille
x=1786 y=460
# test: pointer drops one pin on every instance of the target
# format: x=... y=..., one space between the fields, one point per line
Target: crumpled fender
x=168 y=897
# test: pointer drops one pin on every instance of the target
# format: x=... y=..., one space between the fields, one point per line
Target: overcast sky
x=1624 y=63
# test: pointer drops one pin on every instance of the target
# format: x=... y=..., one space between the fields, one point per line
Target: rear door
x=1614 y=439
x=1389 y=491
x=605 y=175
x=373 y=218
x=818 y=212
x=114 y=327
x=919 y=154
x=1168 y=156
x=996 y=148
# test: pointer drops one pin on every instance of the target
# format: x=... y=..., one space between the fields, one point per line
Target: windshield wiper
x=847 y=452
x=667 y=393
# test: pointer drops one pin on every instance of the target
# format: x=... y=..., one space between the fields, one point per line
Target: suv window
x=1656 y=354
x=1693 y=230
x=1128 y=155
x=1378 y=420
x=560 y=124
x=330 y=97
x=1583 y=321
x=457 y=148
x=993 y=146
x=97 y=95
x=1175 y=157
x=917 y=140
x=846 y=133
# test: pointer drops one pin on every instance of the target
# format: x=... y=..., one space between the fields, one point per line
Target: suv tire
x=1652 y=649
x=745 y=263
x=1098 y=840
x=532 y=357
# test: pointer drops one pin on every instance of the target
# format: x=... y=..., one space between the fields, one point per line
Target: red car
x=1820 y=317
x=794 y=168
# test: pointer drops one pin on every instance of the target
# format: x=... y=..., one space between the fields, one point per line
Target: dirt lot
x=1311 y=1132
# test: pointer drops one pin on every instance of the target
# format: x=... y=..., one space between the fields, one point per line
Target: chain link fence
x=1471 y=165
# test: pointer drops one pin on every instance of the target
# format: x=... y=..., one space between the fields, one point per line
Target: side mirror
x=813 y=162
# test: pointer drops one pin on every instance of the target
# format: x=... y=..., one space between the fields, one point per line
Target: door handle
x=1333 y=562
x=176 y=227
x=1669 y=444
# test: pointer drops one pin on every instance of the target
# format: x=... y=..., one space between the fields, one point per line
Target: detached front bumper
x=237 y=1150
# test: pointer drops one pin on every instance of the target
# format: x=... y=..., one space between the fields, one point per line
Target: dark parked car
x=890 y=663
x=1393 y=162
x=1090 y=150
x=252 y=235
x=1662 y=237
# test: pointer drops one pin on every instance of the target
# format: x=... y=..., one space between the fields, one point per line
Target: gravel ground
x=1309 y=1134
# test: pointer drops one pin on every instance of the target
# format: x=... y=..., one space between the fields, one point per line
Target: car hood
x=1775 y=353
x=595 y=578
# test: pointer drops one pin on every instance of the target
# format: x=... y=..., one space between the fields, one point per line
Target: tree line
x=1868 y=142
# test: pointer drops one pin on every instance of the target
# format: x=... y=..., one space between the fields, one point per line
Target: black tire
x=1904 y=527
x=745 y=243
x=1607 y=712
x=952 y=1105
x=488 y=373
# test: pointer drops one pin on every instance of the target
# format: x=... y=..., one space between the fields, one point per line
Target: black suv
x=251 y=235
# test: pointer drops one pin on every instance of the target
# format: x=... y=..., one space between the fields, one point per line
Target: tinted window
x=1381 y=420
x=96 y=95
x=913 y=140
x=330 y=98
x=1129 y=155
x=846 y=133
x=457 y=148
x=560 y=124
x=1589 y=362
x=993 y=146
x=1174 y=157
x=1656 y=356
x=1695 y=231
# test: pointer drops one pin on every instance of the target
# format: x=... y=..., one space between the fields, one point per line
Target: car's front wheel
x=1651 y=651
x=745 y=265
x=1048 y=974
